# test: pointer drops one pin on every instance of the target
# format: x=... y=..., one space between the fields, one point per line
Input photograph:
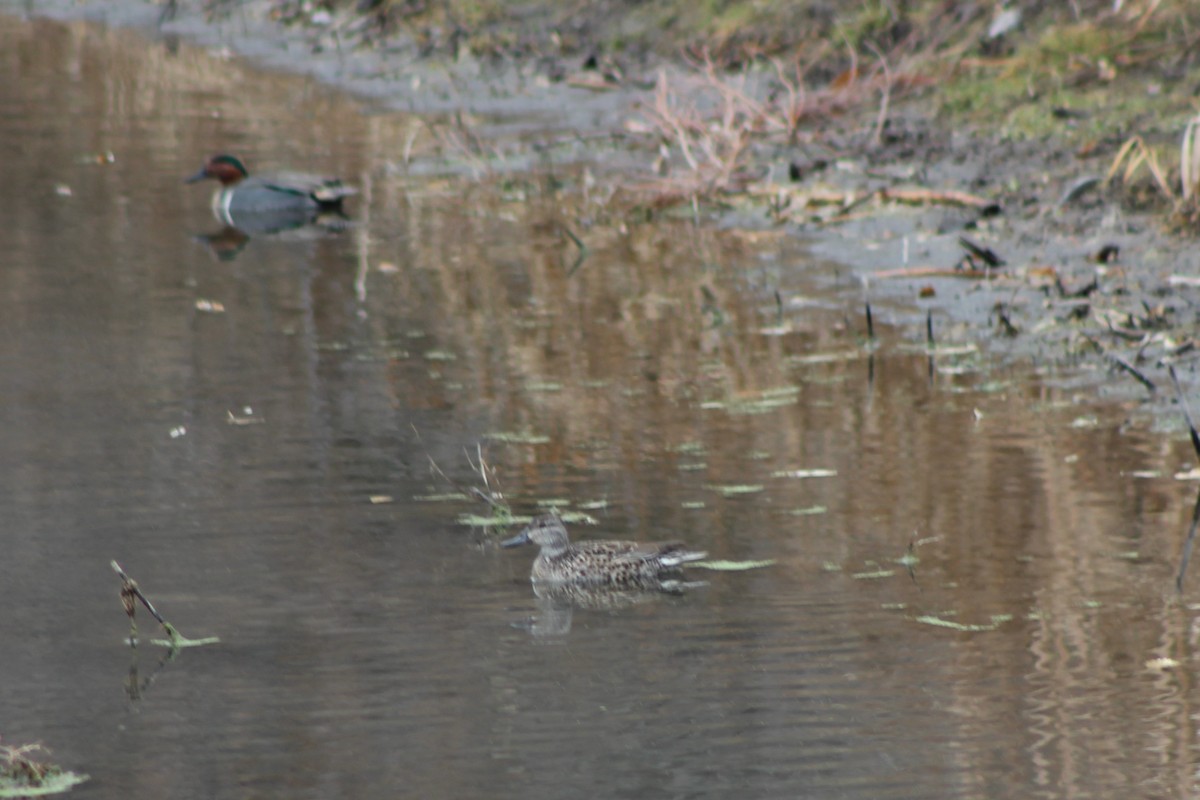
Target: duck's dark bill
x=518 y=540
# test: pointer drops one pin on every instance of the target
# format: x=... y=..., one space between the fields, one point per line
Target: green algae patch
x=826 y=358
x=594 y=505
x=446 y=497
x=873 y=575
x=804 y=473
x=809 y=511
x=177 y=641
x=940 y=622
x=517 y=437
x=497 y=520
x=759 y=402
x=722 y=565
x=737 y=490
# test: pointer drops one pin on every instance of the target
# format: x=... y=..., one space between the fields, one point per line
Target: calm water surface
x=246 y=424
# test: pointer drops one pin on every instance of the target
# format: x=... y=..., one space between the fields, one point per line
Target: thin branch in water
x=1186 y=556
x=1187 y=412
x=1132 y=370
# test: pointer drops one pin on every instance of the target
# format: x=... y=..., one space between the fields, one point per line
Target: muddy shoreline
x=1087 y=289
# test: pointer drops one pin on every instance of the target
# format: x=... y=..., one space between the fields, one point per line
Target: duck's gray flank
x=616 y=563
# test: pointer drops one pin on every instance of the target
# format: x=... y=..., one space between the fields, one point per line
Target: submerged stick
x=1187 y=545
x=1187 y=412
x=870 y=324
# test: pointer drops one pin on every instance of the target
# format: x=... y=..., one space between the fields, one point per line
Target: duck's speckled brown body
x=611 y=563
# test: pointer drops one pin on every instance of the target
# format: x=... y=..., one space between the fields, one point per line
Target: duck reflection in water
x=557 y=602
x=601 y=575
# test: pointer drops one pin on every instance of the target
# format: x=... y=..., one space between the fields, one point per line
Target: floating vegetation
x=758 y=402
x=827 y=358
x=873 y=575
x=693 y=504
x=939 y=622
x=1087 y=421
x=940 y=349
x=246 y=418
x=381 y=499
x=440 y=355
x=210 y=306
x=517 y=437
x=831 y=566
x=1162 y=664
x=497 y=520
x=441 y=498
x=549 y=386
x=593 y=505
x=804 y=473
x=552 y=502
x=574 y=517
x=131 y=595
x=21 y=775
x=732 y=566
x=738 y=489
x=696 y=467
x=500 y=513
x=810 y=511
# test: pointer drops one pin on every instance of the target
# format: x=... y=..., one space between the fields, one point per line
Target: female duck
x=599 y=563
x=277 y=193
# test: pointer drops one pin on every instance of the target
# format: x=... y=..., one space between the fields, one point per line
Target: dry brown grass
x=708 y=122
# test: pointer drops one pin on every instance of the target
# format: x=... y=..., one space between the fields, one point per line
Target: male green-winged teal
x=277 y=193
x=602 y=562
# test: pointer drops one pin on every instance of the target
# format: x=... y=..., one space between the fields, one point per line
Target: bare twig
x=130 y=591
